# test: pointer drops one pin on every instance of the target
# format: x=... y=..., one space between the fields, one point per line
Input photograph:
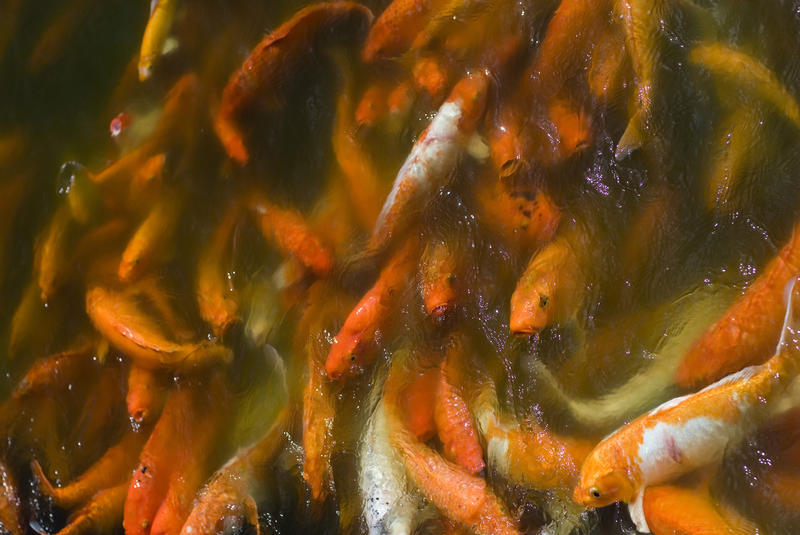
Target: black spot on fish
x=543 y=299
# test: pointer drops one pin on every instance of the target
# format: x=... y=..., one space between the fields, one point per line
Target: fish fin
x=45 y=487
x=477 y=147
x=171 y=44
x=636 y=510
x=153 y=4
x=789 y=330
x=738 y=524
x=631 y=138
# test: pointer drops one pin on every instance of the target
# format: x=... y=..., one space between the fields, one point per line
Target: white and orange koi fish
x=433 y=157
x=688 y=432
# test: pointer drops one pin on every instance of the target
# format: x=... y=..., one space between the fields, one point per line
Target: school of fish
x=402 y=266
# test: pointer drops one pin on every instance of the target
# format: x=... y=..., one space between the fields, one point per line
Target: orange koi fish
x=684 y=433
x=272 y=60
x=474 y=505
x=453 y=419
x=151 y=240
x=607 y=71
x=550 y=289
x=193 y=446
x=528 y=453
x=59 y=369
x=101 y=515
x=746 y=332
x=319 y=413
x=524 y=218
x=147 y=390
x=418 y=402
x=430 y=75
x=374 y=104
x=395 y=29
x=361 y=177
x=112 y=469
x=52 y=253
x=155 y=35
x=400 y=101
x=642 y=20
x=228 y=500
x=674 y=510
x=217 y=300
x=353 y=348
x=439 y=279
x=133 y=332
x=10 y=504
x=289 y=232
x=573 y=127
x=432 y=159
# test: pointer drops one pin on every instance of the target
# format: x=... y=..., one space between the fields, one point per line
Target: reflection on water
x=293 y=266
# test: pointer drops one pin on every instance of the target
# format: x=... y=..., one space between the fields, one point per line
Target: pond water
x=392 y=267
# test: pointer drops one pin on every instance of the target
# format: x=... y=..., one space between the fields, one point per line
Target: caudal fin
x=790 y=331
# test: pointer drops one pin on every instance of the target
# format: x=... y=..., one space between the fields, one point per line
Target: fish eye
x=594 y=492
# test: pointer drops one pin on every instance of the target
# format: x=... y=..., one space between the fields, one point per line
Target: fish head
x=346 y=357
x=598 y=490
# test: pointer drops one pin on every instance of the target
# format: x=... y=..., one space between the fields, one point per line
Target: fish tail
x=788 y=350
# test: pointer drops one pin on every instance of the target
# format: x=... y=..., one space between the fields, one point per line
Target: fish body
x=217 y=300
x=354 y=345
x=395 y=29
x=319 y=413
x=675 y=510
x=433 y=158
x=155 y=35
x=146 y=392
x=262 y=75
x=549 y=290
x=112 y=469
x=749 y=329
x=101 y=515
x=440 y=279
x=151 y=240
x=138 y=335
x=748 y=72
x=454 y=422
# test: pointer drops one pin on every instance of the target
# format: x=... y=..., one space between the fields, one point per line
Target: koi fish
x=453 y=419
x=288 y=231
x=151 y=240
x=112 y=469
x=749 y=73
x=193 y=446
x=57 y=370
x=439 y=279
x=674 y=510
x=400 y=101
x=432 y=159
x=549 y=291
x=374 y=104
x=101 y=515
x=361 y=177
x=353 y=346
x=217 y=299
x=739 y=137
x=685 y=433
x=523 y=218
x=528 y=453
x=271 y=60
x=319 y=414
x=229 y=499
x=430 y=75
x=52 y=252
x=418 y=404
x=137 y=335
x=642 y=21
x=608 y=68
x=390 y=504
x=395 y=29
x=474 y=505
x=162 y=12
x=147 y=390
x=573 y=127
x=746 y=331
